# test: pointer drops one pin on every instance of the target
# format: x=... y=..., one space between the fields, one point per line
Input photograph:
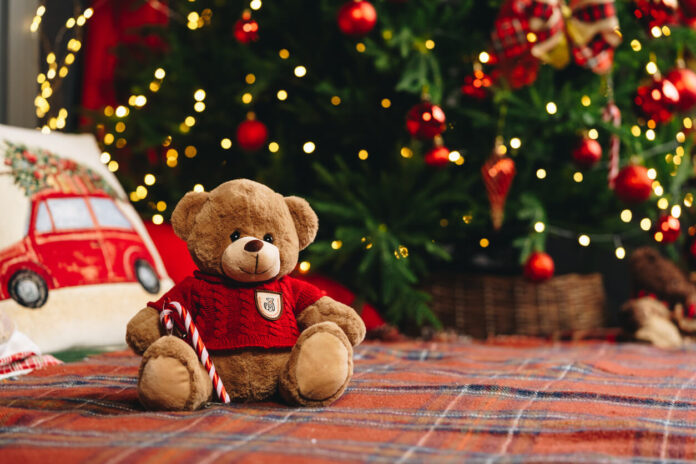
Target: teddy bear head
x=244 y=230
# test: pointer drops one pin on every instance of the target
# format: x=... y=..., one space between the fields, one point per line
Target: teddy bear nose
x=253 y=245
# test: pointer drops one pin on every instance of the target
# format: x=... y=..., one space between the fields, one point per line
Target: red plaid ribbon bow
x=543 y=28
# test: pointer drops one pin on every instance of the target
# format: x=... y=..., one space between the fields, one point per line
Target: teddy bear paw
x=319 y=368
x=171 y=377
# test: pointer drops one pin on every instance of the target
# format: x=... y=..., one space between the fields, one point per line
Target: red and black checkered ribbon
x=536 y=26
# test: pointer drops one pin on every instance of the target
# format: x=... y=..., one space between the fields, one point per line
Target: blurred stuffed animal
x=666 y=305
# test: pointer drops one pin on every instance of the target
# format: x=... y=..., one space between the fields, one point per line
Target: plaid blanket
x=408 y=402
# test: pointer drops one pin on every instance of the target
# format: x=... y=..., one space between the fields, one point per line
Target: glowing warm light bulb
x=226 y=143
x=626 y=215
x=645 y=224
x=515 y=143
x=304 y=266
x=199 y=95
x=198 y=188
x=539 y=227
x=308 y=147
x=160 y=73
x=584 y=240
x=484 y=57
x=551 y=108
x=157 y=219
x=620 y=253
x=300 y=71
x=541 y=173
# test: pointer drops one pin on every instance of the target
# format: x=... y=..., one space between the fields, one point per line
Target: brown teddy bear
x=266 y=332
x=658 y=316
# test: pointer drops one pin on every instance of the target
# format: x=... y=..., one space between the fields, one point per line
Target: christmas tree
x=421 y=131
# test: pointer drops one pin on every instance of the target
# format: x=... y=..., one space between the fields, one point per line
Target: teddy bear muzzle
x=249 y=259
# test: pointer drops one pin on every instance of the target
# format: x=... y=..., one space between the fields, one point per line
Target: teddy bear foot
x=319 y=368
x=172 y=378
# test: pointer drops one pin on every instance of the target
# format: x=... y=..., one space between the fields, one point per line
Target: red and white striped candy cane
x=612 y=114
x=195 y=341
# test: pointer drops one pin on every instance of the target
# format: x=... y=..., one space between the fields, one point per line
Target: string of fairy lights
x=58 y=64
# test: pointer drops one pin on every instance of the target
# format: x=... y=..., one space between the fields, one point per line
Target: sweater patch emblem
x=269 y=304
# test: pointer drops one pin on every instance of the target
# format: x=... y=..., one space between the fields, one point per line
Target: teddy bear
x=268 y=334
x=663 y=312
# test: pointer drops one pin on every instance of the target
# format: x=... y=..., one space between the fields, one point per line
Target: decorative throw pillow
x=76 y=262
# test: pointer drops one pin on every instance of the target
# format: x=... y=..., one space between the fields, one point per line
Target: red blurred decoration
x=246 y=30
x=437 y=156
x=633 y=184
x=343 y=295
x=667 y=229
x=539 y=267
x=688 y=7
x=692 y=249
x=476 y=85
x=357 y=18
x=518 y=73
x=498 y=173
x=657 y=13
x=113 y=24
x=684 y=80
x=587 y=153
x=251 y=135
x=657 y=101
x=425 y=120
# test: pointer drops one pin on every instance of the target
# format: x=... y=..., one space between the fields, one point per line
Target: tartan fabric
x=25 y=361
x=409 y=402
x=544 y=19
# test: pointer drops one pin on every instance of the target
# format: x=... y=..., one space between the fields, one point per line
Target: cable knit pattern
x=226 y=315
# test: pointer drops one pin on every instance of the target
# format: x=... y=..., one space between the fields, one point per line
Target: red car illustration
x=74 y=239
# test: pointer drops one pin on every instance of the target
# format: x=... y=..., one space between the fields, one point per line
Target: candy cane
x=612 y=114
x=195 y=341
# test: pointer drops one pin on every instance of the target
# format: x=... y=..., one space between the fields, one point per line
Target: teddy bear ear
x=306 y=220
x=184 y=215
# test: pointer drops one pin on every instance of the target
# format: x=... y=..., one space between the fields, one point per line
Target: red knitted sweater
x=231 y=315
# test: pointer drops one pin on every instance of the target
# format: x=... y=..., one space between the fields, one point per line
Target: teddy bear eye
x=234 y=235
x=268 y=238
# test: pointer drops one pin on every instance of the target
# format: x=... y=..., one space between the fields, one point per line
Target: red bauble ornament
x=425 y=121
x=684 y=81
x=437 y=156
x=476 y=85
x=246 y=30
x=657 y=101
x=251 y=135
x=688 y=8
x=633 y=185
x=539 y=267
x=657 y=13
x=587 y=153
x=667 y=229
x=357 y=18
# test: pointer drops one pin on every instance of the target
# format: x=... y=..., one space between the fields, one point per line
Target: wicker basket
x=483 y=305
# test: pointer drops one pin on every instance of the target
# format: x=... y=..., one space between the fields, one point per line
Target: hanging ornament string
x=174 y=309
x=612 y=113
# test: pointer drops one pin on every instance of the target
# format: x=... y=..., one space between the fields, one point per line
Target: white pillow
x=76 y=262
